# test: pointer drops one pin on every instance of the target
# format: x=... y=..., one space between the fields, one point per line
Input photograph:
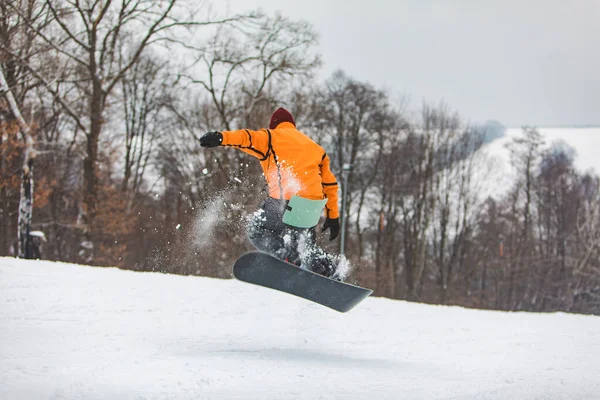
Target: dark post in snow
x=347 y=168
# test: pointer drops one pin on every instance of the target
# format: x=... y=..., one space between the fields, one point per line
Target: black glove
x=334 y=224
x=211 y=139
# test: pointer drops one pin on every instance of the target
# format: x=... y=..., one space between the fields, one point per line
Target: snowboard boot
x=288 y=255
x=324 y=264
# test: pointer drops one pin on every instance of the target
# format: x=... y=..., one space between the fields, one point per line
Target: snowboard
x=266 y=270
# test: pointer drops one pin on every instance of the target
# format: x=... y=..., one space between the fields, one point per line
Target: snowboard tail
x=266 y=270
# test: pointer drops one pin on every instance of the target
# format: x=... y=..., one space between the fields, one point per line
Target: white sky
x=533 y=62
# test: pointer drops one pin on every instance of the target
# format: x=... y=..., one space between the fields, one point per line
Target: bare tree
x=238 y=67
x=102 y=40
x=525 y=154
x=417 y=203
x=147 y=93
x=390 y=188
x=588 y=223
x=15 y=36
x=26 y=202
x=455 y=202
x=351 y=120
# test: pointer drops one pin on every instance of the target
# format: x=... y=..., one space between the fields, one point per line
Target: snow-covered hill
x=75 y=332
x=500 y=176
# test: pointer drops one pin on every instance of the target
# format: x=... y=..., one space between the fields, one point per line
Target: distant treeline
x=114 y=96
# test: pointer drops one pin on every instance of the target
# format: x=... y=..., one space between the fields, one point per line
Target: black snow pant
x=267 y=232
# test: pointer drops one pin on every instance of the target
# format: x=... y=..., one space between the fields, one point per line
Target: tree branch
x=25 y=130
x=65 y=28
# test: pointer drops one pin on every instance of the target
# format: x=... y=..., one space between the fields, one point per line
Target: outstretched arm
x=255 y=143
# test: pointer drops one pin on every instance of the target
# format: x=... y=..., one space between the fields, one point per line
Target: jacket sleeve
x=255 y=143
x=330 y=189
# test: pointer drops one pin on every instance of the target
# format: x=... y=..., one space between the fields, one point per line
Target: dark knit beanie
x=279 y=116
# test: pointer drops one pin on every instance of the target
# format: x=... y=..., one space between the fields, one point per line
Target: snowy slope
x=499 y=175
x=74 y=332
x=585 y=141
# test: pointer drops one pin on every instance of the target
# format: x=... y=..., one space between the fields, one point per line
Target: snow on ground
x=75 y=332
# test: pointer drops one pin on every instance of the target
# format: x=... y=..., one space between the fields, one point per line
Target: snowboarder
x=293 y=165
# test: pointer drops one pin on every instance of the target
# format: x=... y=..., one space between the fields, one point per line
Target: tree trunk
x=90 y=173
x=26 y=212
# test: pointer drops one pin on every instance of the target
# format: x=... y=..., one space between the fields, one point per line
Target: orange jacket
x=292 y=163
